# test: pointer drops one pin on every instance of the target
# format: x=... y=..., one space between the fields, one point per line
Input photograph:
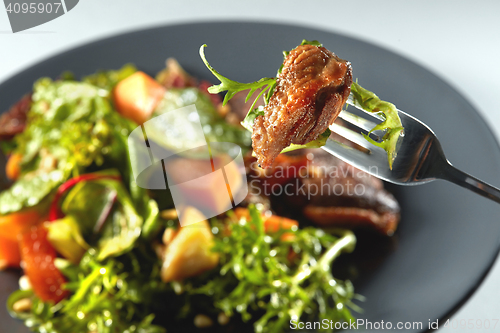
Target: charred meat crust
x=311 y=90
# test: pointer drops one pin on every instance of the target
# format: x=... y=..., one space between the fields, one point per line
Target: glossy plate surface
x=448 y=237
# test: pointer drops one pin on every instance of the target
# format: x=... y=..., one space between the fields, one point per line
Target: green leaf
x=215 y=127
x=392 y=125
x=29 y=191
x=311 y=42
x=233 y=87
x=108 y=79
x=259 y=277
x=247 y=123
x=112 y=227
x=13 y=298
x=152 y=223
x=88 y=213
x=318 y=143
x=125 y=228
x=72 y=122
x=64 y=235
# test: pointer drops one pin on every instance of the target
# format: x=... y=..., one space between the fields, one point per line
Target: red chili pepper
x=55 y=213
x=38 y=256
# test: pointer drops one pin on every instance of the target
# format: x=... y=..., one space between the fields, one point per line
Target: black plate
x=448 y=237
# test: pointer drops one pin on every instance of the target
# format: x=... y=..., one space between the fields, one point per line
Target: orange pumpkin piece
x=137 y=96
x=9 y=253
x=188 y=252
x=12 y=225
x=13 y=166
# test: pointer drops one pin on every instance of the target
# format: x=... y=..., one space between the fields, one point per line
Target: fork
x=420 y=158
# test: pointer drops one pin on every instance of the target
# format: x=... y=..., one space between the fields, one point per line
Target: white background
x=458 y=40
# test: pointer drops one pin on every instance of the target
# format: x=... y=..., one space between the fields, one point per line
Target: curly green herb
x=259 y=274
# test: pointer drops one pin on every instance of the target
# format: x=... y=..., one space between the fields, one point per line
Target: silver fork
x=420 y=158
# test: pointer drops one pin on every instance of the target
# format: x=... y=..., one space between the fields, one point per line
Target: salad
x=100 y=254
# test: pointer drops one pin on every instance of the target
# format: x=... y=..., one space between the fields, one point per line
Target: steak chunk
x=310 y=92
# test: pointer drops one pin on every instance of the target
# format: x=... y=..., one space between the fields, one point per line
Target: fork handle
x=463 y=179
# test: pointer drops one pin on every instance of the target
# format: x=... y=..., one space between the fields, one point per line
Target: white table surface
x=448 y=37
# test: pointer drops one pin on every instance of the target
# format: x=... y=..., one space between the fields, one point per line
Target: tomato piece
x=137 y=96
x=38 y=256
x=9 y=253
x=13 y=166
x=12 y=225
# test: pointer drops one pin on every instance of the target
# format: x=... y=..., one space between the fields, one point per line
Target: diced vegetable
x=136 y=96
x=13 y=167
x=14 y=224
x=189 y=253
x=210 y=192
x=272 y=223
x=38 y=256
x=65 y=237
x=9 y=253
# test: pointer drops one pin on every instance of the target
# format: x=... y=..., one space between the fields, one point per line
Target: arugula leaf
x=392 y=125
x=311 y=42
x=233 y=87
x=250 y=118
x=318 y=143
x=259 y=275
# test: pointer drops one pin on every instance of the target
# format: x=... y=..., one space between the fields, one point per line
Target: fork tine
x=351 y=136
x=360 y=122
